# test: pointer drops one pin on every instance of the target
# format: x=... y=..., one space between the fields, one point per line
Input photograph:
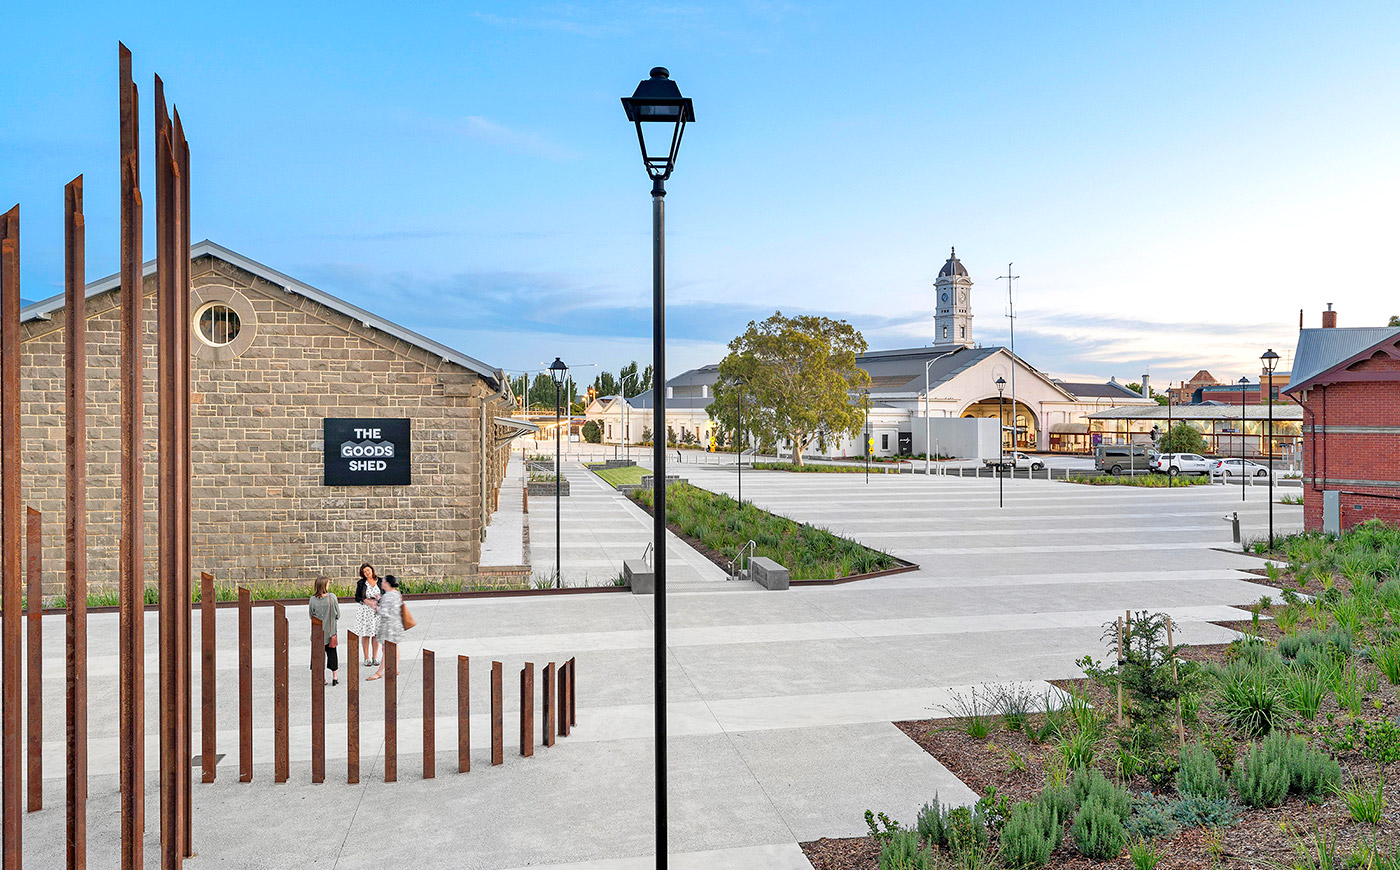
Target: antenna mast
x=1011 y=316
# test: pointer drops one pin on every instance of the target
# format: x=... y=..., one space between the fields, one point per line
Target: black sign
x=367 y=452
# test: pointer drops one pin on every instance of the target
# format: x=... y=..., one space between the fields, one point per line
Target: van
x=1118 y=458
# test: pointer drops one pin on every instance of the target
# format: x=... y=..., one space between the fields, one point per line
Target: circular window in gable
x=217 y=324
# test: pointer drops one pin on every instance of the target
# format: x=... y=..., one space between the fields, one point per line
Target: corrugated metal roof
x=1321 y=349
x=1098 y=391
x=41 y=310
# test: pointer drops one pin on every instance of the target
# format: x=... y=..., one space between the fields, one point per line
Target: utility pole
x=1011 y=316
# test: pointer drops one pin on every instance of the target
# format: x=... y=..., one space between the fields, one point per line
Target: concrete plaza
x=781 y=702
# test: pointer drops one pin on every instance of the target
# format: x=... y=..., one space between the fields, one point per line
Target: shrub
x=902 y=852
x=1144 y=855
x=1365 y=805
x=891 y=827
x=1303 y=691
x=1310 y=773
x=967 y=833
x=1078 y=749
x=1248 y=700
x=1058 y=799
x=1194 y=811
x=1261 y=781
x=1199 y=774
x=932 y=824
x=1092 y=785
x=1151 y=817
x=1098 y=831
x=1028 y=837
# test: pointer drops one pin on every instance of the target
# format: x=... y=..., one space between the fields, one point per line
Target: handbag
x=335 y=641
x=408 y=620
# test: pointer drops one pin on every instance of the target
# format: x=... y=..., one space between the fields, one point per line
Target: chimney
x=1146 y=390
x=1329 y=318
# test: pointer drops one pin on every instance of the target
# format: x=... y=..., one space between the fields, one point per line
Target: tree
x=670 y=434
x=592 y=432
x=1183 y=438
x=1394 y=320
x=798 y=375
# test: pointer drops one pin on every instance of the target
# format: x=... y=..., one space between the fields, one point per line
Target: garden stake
x=1180 y=728
x=1120 y=671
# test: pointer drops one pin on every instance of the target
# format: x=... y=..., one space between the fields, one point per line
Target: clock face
x=962 y=297
x=944 y=297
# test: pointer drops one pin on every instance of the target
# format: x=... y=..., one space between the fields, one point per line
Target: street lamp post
x=1244 y=382
x=658 y=108
x=627 y=413
x=928 y=445
x=557 y=371
x=1270 y=360
x=739 y=383
x=865 y=400
x=1001 y=440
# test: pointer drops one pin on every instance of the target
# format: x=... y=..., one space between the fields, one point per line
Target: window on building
x=217 y=324
x=884 y=442
x=964 y=332
x=945 y=332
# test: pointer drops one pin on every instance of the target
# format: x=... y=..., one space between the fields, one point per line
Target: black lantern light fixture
x=1270 y=360
x=660 y=114
x=557 y=372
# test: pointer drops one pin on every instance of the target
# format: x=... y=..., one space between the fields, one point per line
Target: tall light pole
x=558 y=371
x=1270 y=360
x=739 y=383
x=627 y=411
x=1001 y=437
x=1169 y=430
x=658 y=108
x=1011 y=319
x=928 y=443
x=865 y=400
x=1244 y=383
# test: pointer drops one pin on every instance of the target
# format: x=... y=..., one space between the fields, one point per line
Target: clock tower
x=952 y=324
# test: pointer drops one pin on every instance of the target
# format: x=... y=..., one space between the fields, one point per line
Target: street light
x=1270 y=360
x=928 y=445
x=1001 y=439
x=627 y=412
x=1244 y=382
x=557 y=371
x=865 y=400
x=657 y=108
x=739 y=384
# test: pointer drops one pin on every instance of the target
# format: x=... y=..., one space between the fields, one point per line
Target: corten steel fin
x=172 y=761
x=11 y=587
x=391 y=711
x=34 y=654
x=527 y=710
x=562 y=707
x=464 y=709
x=318 y=701
x=245 y=685
x=352 y=711
x=183 y=571
x=279 y=694
x=131 y=580
x=75 y=520
x=429 y=710
x=207 y=695
x=498 y=750
x=547 y=711
x=573 y=694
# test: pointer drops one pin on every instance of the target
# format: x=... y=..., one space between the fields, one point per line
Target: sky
x=1173 y=182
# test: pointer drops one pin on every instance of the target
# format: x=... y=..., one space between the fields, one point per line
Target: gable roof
x=902 y=371
x=1110 y=390
x=496 y=377
x=1322 y=350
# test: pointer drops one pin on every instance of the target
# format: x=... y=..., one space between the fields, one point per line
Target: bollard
x=547 y=708
x=464 y=705
x=429 y=723
x=245 y=685
x=497 y=717
x=527 y=710
x=573 y=710
x=34 y=657
x=391 y=711
x=318 y=701
x=281 y=751
x=208 y=749
x=352 y=711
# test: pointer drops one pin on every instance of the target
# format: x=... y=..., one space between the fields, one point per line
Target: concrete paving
x=781 y=703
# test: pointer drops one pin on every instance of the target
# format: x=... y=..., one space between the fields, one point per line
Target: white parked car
x=1238 y=468
x=1181 y=463
x=1019 y=460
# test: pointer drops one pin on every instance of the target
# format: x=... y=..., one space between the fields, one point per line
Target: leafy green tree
x=1394 y=320
x=797 y=376
x=592 y=432
x=1183 y=438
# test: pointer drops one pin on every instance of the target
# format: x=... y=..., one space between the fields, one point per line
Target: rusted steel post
x=75 y=520
x=245 y=685
x=464 y=709
x=429 y=723
x=208 y=747
x=498 y=749
x=34 y=655
x=318 y=701
x=352 y=710
x=547 y=708
x=131 y=578
x=527 y=710
x=281 y=749
x=391 y=711
x=573 y=694
x=172 y=760
x=561 y=708
x=183 y=573
x=11 y=588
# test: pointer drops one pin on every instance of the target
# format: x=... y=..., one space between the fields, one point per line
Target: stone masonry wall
x=260 y=511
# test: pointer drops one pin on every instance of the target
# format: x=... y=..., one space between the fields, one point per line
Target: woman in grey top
x=390 y=618
x=326 y=607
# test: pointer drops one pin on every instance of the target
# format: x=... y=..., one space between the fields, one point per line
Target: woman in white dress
x=367 y=594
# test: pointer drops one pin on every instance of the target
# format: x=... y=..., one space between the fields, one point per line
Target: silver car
x=1238 y=468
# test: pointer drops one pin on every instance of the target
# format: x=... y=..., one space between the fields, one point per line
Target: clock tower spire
x=952 y=322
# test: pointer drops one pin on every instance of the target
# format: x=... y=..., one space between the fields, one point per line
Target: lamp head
x=1001 y=385
x=557 y=370
x=1270 y=360
x=657 y=103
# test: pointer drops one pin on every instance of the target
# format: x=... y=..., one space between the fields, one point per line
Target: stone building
x=272 y=359
x=1348 y=382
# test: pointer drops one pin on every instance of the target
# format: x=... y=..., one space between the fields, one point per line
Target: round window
x=218 y=324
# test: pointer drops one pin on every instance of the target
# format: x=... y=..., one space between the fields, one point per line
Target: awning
x=1069 y=428
x=520 y=427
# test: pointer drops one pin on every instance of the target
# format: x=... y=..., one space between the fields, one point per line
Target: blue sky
x=1173 y=181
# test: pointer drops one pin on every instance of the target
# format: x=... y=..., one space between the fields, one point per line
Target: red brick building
x=1348 y=381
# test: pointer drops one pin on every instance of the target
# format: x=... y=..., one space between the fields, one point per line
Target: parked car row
x=1117 y=459
x=1017 y=460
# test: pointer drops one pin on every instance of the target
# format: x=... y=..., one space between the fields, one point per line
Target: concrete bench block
x=768 y=574
x=639 y=576
x=647 y=480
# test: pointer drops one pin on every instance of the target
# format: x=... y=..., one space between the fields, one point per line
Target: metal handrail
x=646 y=554
x=751 y=547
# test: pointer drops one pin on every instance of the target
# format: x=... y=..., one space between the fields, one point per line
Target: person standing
x=326 y=607
x=390 y=617
x=367 y=594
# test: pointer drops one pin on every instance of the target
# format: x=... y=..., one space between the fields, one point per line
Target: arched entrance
x=1026 y=424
